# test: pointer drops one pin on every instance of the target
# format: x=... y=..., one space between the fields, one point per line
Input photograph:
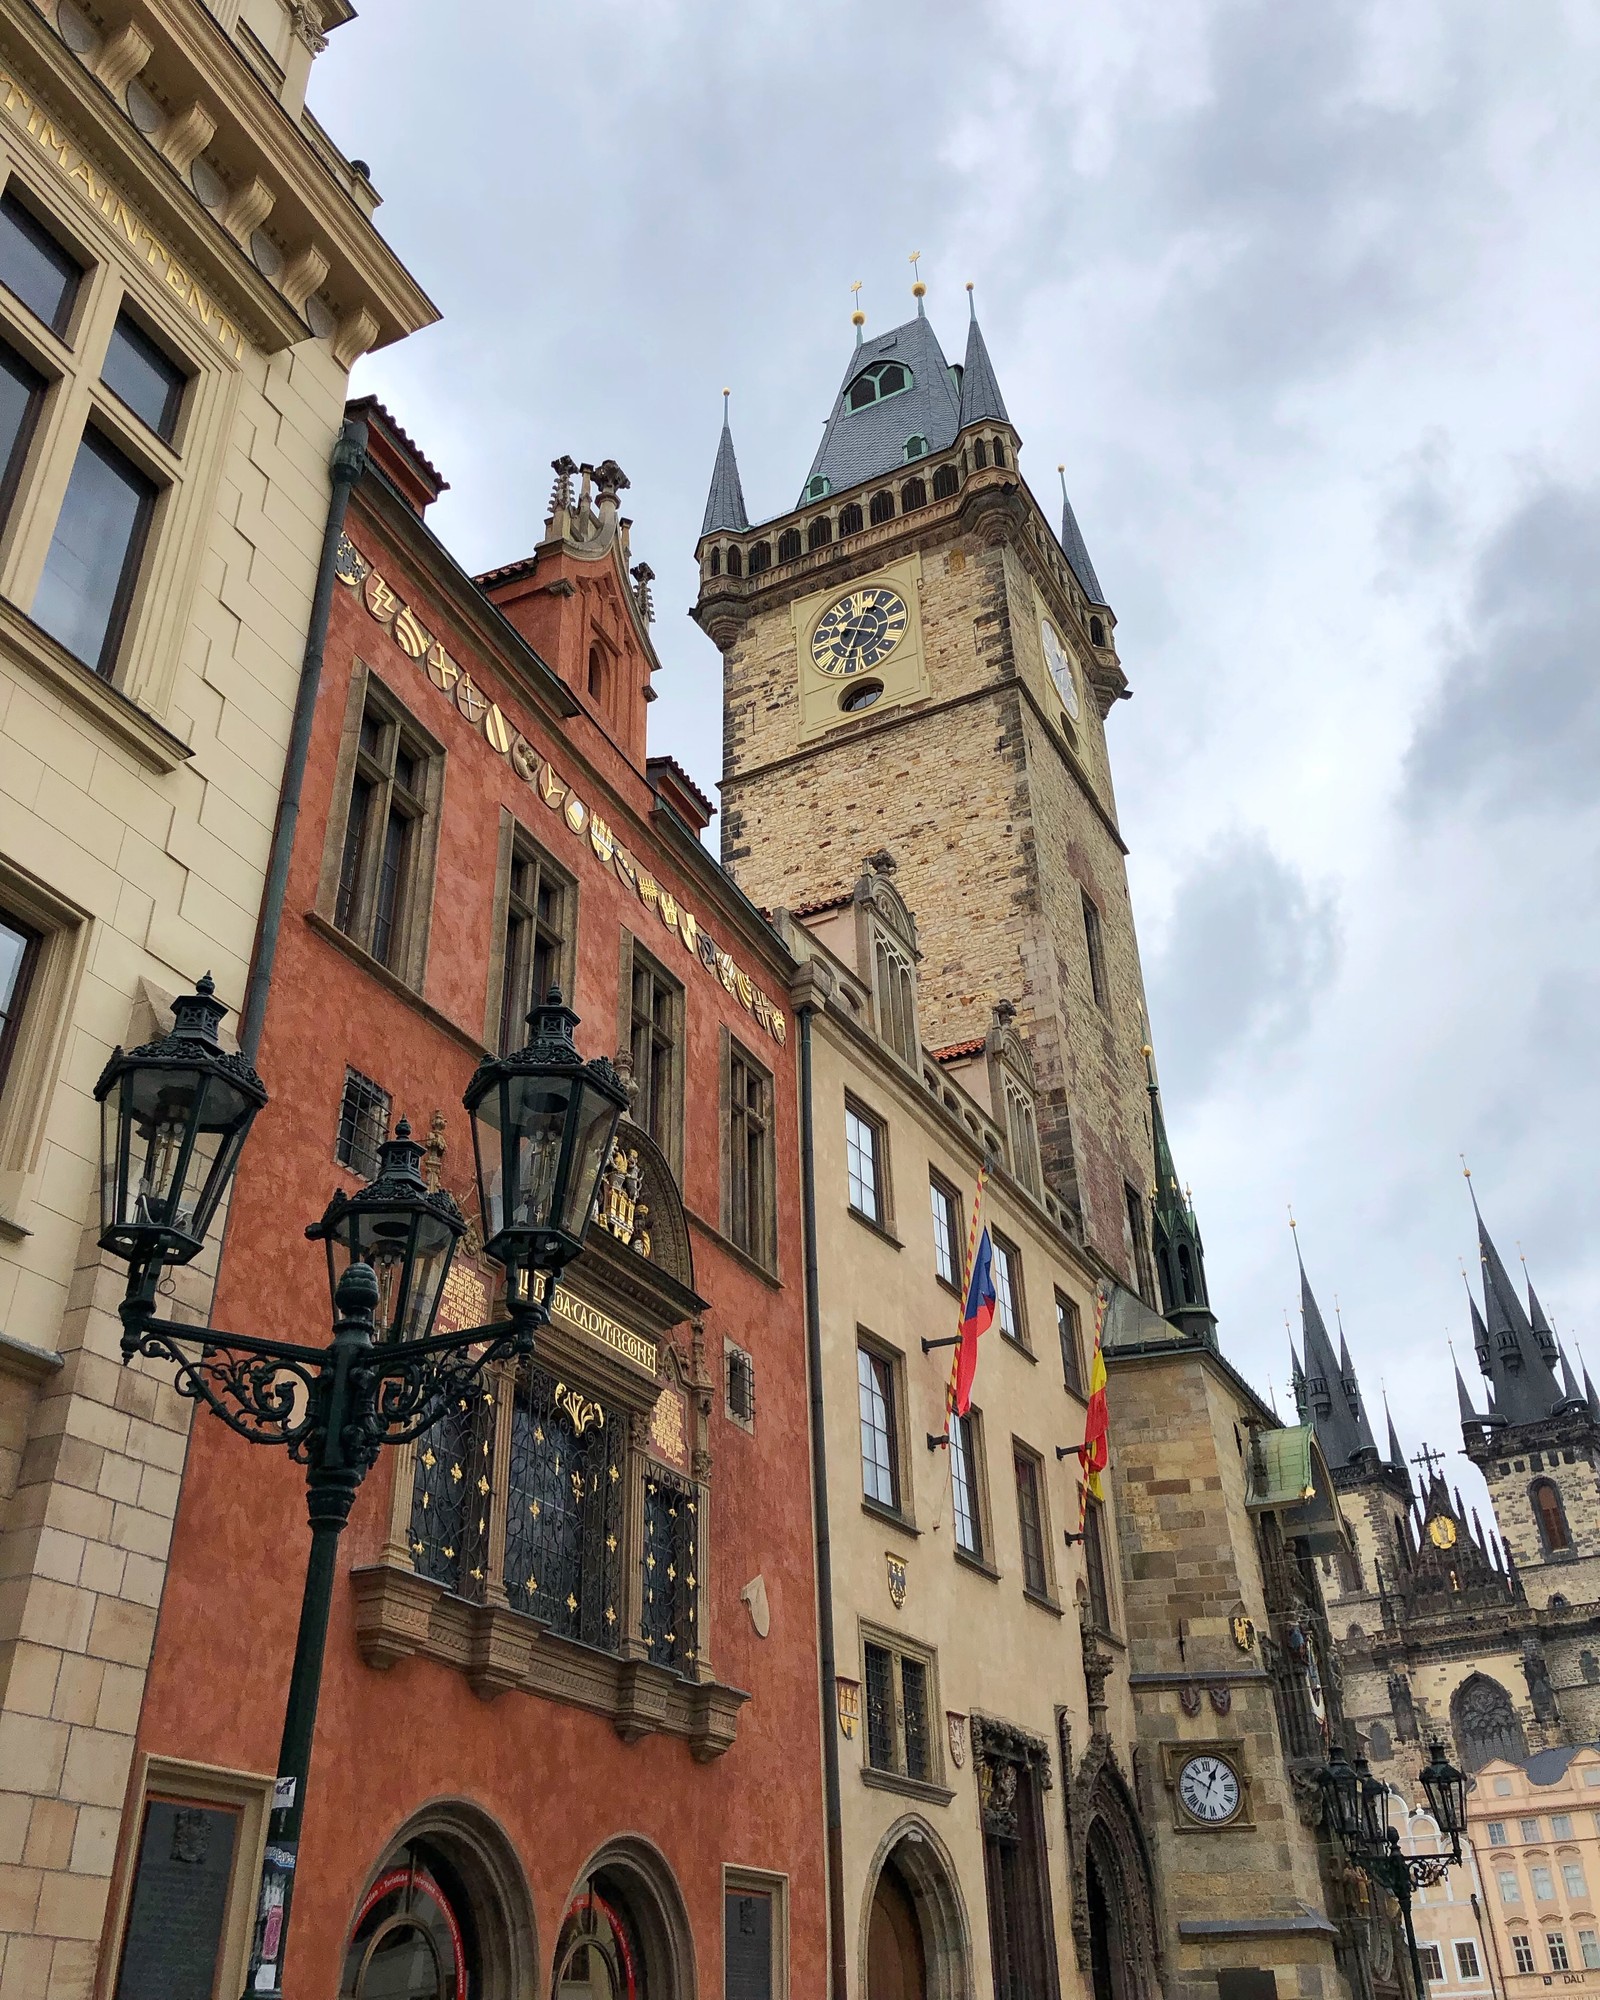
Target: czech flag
x=976 y=1318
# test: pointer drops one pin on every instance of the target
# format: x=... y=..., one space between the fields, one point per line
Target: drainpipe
x=348 y=462
x=838 y=1980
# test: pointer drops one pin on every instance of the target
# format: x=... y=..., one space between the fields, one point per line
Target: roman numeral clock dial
x=860 y=631
x=1209 y=1787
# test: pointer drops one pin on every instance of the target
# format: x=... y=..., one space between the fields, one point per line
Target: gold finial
x=858 y=318
x=1466 y=1171
x=1147 y=1050
x=919 y=290
x=1292 y=1223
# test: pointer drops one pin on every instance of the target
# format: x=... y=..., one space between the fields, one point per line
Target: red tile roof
x=958 y=1051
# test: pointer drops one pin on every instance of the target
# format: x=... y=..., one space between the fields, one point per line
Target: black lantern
x=404 y=1229
x=173 y=1116
x=1447 y=1794
x=1374 y=1805
x=543 y=1122
x=1341 y=1782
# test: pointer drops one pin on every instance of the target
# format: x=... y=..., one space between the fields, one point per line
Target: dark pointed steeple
x=1075 y=549
x=1525 y=1386
x=1464 y=1401
x=981 y=401
x=1570 y=1392
x=725 y=501
x=898 y=402
x=1341 y=1425
x=1397 y=1457
x=1543 y=1331
x=1592 y=1399
x=1352 y=1390
x=1180 y=1255
x=1297 y=1378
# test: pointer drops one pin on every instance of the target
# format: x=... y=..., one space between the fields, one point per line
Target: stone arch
x=478 y=1853
x=1485 y=1724
x=633 y=1880
x=1114 y=1921
x=922 y=1863
x=1549 y=1516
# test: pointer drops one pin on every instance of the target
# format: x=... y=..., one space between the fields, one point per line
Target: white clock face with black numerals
x=1055 y=658
x=1209 y=1788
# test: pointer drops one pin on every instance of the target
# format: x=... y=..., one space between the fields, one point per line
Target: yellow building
x=188 y=269
x=1534 y=1827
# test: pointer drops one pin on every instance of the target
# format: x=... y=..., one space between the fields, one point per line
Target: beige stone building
x=919 y=666
x=990 y=1832
x=188 y=269
x=1534 y=1827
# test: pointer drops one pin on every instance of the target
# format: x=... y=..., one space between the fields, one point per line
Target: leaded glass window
x=564 y=1511
x=670 y=1583
x=451 y=1495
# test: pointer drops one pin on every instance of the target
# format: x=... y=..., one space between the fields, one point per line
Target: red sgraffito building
x=568 y=1736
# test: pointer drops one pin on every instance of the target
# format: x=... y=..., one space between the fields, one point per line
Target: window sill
x=752 y=1264
x=24 y=1362
x=400 y=1615
x=911 y=1788
x=968 y=1560
x=1020 y=1347
x=892 y=1516
x=877 y=1228
x=1044 y=1603
x=156 y=747
x=392 y=982
x=948 y=1284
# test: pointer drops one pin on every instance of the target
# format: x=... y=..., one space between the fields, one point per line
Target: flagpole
x=955 y=1362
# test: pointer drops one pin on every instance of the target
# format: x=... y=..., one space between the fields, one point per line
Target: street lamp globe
x=1374 y=1805
x=1341 y=1785
x=1447 y=1793
x=173 y=1116
x=543 y=1123
x=404 y=1230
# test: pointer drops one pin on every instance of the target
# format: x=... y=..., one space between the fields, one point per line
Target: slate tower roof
x=868 y=441
x=1512 y=1354
x=981 y=400
x=1180 y=1255
x=1328 y=1395
x=1076 y=550
x=725 y=501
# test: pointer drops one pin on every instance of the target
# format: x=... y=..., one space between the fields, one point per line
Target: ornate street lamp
x=543 y=1123
x=1447 y=1796
x=175 y=1114
x=1357 y=1805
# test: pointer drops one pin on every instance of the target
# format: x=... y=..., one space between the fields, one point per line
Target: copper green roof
x=1282 y=1467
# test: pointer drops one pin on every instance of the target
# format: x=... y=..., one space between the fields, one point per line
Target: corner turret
x=1180 y=1255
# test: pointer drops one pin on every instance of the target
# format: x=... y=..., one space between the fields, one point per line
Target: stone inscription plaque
x=180 y=1898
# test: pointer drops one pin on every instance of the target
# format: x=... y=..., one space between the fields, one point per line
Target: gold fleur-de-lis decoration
x=572 y=1602
x=672 y=1572
x=611 y=1616
x=427 y=1501
x=532 y=1584
x=428 y=1458
x=483 y=1484
x=477 y=1576
x=450 y=1553
x=689 y=1579
x=456 y=1474
x=416 y=1548
x=650 y=1562
x=611 y=1543
x=538 y=1435
x=533 y=1509
x=615 y=1475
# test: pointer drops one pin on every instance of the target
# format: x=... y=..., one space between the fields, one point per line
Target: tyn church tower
x=916 y=659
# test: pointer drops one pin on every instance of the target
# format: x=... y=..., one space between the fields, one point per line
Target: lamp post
x=175 y=1116
x=1357 y=1806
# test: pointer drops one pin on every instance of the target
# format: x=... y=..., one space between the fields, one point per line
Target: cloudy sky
x=1306 y=299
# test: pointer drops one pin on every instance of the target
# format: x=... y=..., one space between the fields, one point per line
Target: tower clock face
x=1209 y=1788
x=860 y=631
x=1055 y=658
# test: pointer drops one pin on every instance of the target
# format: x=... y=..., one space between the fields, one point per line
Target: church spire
x=725 y=502
x=1525 y=1387
x=981 y=401
x=1332 y=1391
x=1180 y=1255
x=1075 y=549
x=1397 y=1457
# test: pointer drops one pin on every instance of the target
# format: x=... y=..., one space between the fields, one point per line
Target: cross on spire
x=1430 y=1463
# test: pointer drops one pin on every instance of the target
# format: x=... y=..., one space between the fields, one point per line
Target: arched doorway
x=914 y=1942
x=1113 y=1917
x=625 y=1933
x=897 y=1965
x=445 y=1916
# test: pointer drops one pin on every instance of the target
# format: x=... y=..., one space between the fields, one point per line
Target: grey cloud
x=1250 y=945
x=1421 y=523
x=1514 y=724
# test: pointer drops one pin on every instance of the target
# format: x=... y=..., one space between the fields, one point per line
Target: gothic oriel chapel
x=919 y=663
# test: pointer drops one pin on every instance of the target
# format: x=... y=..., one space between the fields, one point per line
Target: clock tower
x=917 y=657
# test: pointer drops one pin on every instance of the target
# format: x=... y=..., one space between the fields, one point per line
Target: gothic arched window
x=946 y=482
x=872 y=385
x=735 y=562
x=1548 y=1512
x=820 y=533
x=1485 y=1723
x=882 y=507
x=913 y=494
x=760 y=558
x=999 y=454
x=597 y=673
x=1097 y=632
x=850 y=519
x=789 y=545
x=980 y=455
x=716 y=562
x=916 y=447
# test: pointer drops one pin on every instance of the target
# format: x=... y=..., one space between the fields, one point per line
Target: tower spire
x=981 y=401
x=1332 y=1391
x=1075 y=549
x=725 y=501
x=1521 y=1370
x=1180 y=1255
x=1397 y=1457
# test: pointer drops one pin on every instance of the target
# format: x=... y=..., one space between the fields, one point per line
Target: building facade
x=1536 y=1844
x=188 y=269
x=991 y=1838
x=568 y=1738
x=917 y=662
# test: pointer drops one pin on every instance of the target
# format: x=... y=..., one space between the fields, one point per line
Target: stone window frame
x=475 y=1628
x=518 y=844
x=249 y=1793
x=940 y=1189
x=883 y=1184
x=1465 y=1949
x=411 y=960
x=902 y=1509
x=636 y=957
x=762 y=1250
x=39 y=1044
x=185 y=469
x=1094 y=943
x=1007 y=1254
x=1023 y=1453
x=733 y=1358
x=887 y=957
x=1552 y=1551
x=1069 y=1329
x=976 y=1451
x=736 y=1880
x=1431 y=1959
x=899 y=1647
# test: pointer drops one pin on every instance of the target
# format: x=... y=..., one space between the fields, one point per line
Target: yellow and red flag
x=1094 y=1454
